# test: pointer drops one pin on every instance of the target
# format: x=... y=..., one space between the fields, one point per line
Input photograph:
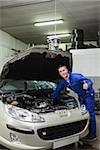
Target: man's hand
x=85 y=85
x=14 y=103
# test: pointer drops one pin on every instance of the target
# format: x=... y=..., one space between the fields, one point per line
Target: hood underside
x=36 y=64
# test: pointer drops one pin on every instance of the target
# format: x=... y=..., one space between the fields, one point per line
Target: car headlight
x=83 y=109
x=23 y=114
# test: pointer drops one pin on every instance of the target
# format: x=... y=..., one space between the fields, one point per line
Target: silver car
x=28 y=120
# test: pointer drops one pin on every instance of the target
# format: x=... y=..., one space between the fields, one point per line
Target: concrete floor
x=86 y=146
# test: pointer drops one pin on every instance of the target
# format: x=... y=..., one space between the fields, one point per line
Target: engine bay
x=39 y=104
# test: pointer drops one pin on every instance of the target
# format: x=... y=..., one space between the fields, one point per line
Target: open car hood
x=36 y=64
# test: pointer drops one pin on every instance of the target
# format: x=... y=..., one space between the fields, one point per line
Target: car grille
x=56 y=132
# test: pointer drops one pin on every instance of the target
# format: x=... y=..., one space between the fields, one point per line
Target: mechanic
x=83 y=87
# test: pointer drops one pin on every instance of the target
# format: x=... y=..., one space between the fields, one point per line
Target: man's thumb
x=84 y=81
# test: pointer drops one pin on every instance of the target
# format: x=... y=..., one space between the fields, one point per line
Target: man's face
x=63 y=71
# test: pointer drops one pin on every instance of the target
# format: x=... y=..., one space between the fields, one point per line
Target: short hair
x=62 y=65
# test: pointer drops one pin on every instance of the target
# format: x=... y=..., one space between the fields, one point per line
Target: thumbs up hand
x=85 y=85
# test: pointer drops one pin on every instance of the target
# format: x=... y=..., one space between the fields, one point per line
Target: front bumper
x=20 y=146
x=58 y=130
x=44 y=138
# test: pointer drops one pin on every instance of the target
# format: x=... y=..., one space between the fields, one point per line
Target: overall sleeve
x=59 y=87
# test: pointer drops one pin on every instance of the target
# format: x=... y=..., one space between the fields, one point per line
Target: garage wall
x=7 y=43
x=87 y=62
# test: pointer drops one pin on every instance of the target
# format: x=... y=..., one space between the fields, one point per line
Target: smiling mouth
x=64 y=75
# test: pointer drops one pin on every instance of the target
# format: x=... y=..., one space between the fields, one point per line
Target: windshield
x=23 y=85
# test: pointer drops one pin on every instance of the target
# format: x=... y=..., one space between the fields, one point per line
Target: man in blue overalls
x=83 y=87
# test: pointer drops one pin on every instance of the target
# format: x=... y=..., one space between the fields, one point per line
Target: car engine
x=38 y=104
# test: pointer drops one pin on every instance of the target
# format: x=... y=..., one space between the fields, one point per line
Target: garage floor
x=88 y=146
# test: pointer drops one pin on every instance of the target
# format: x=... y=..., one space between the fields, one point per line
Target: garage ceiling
x=17 y=17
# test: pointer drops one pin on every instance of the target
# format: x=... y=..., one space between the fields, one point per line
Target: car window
x=31 y=85
x=43 y=85
x=14 y=85
x=8 y=88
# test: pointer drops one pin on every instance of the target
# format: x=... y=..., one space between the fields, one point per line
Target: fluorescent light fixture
x=60 y=35
x=51 y=22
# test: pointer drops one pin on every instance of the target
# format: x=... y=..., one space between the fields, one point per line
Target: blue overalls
x=75 y=83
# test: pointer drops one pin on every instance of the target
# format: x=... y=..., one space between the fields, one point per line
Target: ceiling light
x=52 y=22
x=60 y=35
